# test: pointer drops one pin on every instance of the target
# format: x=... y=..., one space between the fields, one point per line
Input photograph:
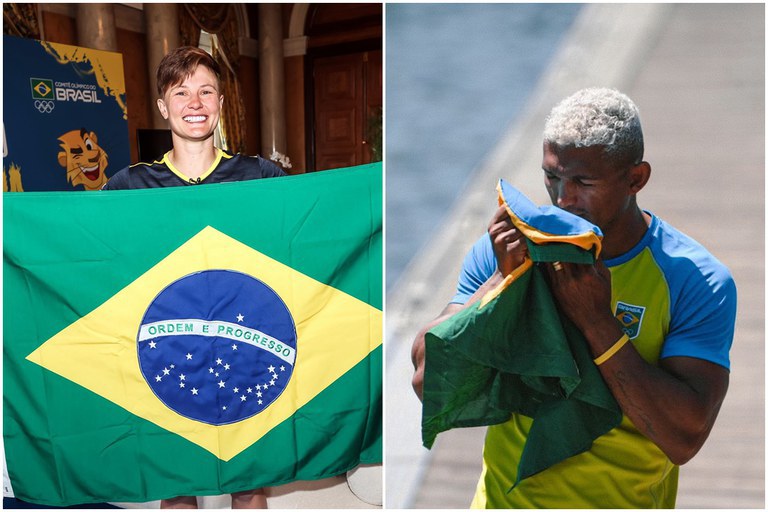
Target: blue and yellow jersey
x=673 y=298
x=162 y=173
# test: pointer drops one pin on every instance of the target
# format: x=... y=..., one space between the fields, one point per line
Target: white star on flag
x=240 y=318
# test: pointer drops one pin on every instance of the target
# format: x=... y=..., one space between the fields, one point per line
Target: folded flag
x=192 y=340
x=513 y=352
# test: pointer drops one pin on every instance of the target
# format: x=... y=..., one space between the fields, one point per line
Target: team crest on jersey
x=217 y=346
x=630 y=317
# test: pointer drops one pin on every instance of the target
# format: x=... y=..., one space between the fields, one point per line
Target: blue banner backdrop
x=65 y=122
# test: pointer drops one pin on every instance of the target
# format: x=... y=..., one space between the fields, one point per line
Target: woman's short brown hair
x=181 y=63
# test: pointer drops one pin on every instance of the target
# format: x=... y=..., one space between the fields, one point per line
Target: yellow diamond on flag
x=42 y=89
x=334 y=332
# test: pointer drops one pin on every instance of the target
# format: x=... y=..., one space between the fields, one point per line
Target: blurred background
x=454 y=92
x=467 y=90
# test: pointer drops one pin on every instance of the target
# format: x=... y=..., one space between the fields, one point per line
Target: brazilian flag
x=514 y=352
x=192 y=340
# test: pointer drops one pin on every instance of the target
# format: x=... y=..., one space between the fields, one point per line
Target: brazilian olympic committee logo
x=630 y=317
x=46 y=92
x=217 y=346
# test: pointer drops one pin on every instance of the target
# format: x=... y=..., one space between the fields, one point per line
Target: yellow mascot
x=83 y=158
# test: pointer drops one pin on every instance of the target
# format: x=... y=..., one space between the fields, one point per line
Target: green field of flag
x=91 y=278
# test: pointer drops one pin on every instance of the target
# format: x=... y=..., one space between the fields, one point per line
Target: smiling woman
x=192 y=106
x=189 y=86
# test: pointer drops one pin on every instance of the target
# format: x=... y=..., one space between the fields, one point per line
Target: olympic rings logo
x=44 y=107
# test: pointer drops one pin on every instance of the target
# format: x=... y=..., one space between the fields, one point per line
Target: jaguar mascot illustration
x=83 y=158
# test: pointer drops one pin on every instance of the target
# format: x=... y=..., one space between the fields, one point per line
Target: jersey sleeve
x=119 y=181
x=703 y=316
x=270 y=170
x=479 y=264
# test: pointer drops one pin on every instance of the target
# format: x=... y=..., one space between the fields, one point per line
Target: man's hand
x=674 y=404
x=583 y=293
x=508 y=243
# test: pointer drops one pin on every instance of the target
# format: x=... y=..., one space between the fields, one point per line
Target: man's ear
x=639 y=176
x=162 y=108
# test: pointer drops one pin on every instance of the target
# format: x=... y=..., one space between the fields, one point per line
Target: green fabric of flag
x=518 y=354
x=85 y=418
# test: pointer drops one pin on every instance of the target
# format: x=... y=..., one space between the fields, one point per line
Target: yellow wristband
x=609 y=353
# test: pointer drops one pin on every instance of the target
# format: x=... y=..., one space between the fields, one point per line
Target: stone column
x=271 y=80
x=162 y=22
x=96 y=26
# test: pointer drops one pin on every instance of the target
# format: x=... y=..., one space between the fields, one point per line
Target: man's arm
x=418 y=350
x=675 y=404
x=510 y=250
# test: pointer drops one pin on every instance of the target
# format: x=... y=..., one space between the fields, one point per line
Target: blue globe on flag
x=217 y=346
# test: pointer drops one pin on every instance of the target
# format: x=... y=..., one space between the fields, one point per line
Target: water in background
x=457 y=75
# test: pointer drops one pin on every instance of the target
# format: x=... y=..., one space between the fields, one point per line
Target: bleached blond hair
x=598 y=117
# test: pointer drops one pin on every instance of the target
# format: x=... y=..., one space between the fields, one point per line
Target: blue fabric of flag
x=546 y=219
